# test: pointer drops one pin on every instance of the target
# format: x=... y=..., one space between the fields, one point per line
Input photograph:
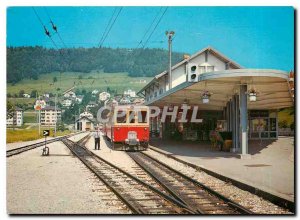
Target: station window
x=131 y=117
x=121 y=116
x=210 y=69
x=202 y=69
x=142 y=116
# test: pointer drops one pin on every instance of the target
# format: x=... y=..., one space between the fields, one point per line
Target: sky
x=254 y=37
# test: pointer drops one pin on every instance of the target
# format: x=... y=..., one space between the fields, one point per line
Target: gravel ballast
x=244 y=198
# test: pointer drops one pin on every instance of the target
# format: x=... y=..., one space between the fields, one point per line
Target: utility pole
x=55 y=114
x=170 y=34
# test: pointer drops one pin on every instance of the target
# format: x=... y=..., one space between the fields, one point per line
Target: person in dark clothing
x=97 y=139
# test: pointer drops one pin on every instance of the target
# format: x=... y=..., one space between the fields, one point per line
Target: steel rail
x=119 y=194
x=25 y=148
x=231 y=203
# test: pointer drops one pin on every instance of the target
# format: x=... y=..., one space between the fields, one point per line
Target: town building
x=103 y=96
x=25 y=95
x=70 y=94
x=50 y=116
x=16 y=119
x=130 y=93
x=47 y=95
x=91 y=104
x=79 y=98
x=95 y=92
x=229 y=97
x=85 y=124
x=125 y=100
x=67 y=102
x=86 y=114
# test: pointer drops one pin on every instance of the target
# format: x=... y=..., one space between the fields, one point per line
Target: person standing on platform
x=97 y=139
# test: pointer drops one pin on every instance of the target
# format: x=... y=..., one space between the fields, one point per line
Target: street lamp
x=170 y=35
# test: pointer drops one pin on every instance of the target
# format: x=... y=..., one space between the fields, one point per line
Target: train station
x=141 y=129
x=229 y=99
x=238 y=107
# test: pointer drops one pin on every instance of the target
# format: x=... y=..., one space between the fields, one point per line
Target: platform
x=270 y=169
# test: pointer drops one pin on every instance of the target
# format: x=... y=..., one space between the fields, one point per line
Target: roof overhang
x=272 y=87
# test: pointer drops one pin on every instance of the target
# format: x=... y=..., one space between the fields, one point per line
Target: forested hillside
x=30 y=62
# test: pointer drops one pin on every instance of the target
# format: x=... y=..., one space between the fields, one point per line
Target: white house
x=125 y=101
x=70 y=94
x=79 y=98
x=67 y=102
x=104 y=96
x=95 y=92
x=91 y=104
x=25 y=95
x=86 y=114
x=17 y=118
x=84 y=124
x=49 y=116
x=130 y=93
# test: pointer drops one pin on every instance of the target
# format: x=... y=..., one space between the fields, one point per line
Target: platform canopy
x=272 y=86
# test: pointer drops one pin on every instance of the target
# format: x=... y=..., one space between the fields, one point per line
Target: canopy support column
x=244 y=121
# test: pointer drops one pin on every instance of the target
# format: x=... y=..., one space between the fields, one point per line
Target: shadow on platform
x=204 y=150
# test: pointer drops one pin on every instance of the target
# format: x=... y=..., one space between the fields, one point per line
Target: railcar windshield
x=131 y=117
x=142 y=117
x=121 y=116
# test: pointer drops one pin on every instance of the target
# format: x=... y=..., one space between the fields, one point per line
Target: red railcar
x=127 y=127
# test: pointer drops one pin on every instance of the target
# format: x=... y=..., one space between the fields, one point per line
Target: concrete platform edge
x=275 y=199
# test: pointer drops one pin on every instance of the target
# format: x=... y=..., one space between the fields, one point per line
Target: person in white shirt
x=97 y=139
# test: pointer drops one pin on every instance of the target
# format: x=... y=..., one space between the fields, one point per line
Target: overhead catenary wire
x=54 y=27
x=149 y=28
x=155 y=27
x=111 y=26
x=108 y=24
x=45 y=28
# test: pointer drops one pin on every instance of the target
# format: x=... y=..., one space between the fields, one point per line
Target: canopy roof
x=272 y=86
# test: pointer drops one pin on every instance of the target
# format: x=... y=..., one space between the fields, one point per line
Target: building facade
x=223 y=92
x=50 y=116
x=85 y=124
x=17 y=119
x=130 y=93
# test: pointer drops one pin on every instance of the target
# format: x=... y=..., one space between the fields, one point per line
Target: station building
x=244 y=102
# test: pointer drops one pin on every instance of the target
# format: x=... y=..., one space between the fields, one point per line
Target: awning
x=272 y=86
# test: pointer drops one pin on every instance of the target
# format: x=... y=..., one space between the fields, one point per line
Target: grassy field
x=89 y=82
x=27 y=135
x=30 y=117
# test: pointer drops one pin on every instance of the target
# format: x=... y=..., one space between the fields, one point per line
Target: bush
x=283 y=124
x=61 y=127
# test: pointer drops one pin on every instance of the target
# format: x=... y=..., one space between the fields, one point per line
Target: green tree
x=21 y=93
x=10 y=109
x=33 y=93
x=54 y=79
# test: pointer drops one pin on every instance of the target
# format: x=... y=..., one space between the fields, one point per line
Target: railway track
x=19 y=150
x=138 y=195
x=197 y=197
x=84 y=140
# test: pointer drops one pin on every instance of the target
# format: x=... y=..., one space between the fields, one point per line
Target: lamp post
x=170 y=35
